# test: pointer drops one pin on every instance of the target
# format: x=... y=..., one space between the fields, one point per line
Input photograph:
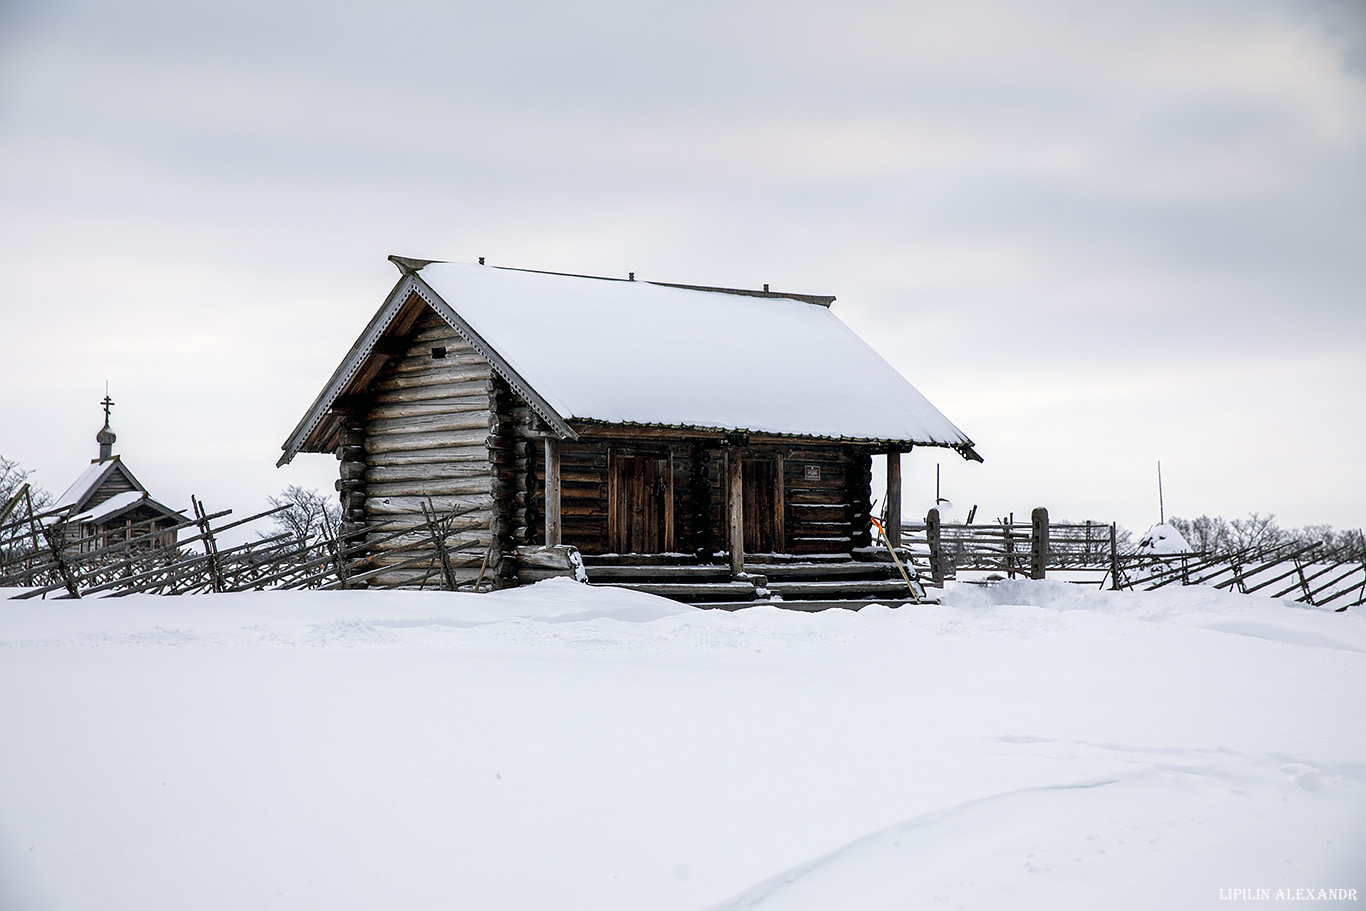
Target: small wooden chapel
x=668 y=433
x=107 y=504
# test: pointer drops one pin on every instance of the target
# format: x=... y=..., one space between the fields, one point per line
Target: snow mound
x=1163 y=539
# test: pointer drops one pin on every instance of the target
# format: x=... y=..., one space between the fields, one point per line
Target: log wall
x=424 y=441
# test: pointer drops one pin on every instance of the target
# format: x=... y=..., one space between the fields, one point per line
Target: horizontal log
x=418 y=442
x=832 y=456
x=436 y=332
x=429 y=487
x=409 y=531
x=429 y=423
x=839 y=497
x=437 y=375
x=399 y=506
x=448 y=405
x=419 y=357
x=558 y=557
x=429 y=471
x=460 y=552
x=454 y=455
x=428 y=394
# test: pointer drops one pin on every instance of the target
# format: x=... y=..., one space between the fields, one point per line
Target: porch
x=807 y=583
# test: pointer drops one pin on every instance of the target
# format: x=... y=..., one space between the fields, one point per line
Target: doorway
x=640 y=503
x=762 y=482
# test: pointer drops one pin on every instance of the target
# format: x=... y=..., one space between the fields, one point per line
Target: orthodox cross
x=108 y=403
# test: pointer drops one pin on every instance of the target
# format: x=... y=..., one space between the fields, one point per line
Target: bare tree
x=1205 y=534
x=1256 y=532
x=19 y=502
x=308 y=516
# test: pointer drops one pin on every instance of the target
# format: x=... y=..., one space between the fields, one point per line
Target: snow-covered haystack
x=1029 y=745
x=1162 y=539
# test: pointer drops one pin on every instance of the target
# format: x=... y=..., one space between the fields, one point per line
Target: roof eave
x=964 y=448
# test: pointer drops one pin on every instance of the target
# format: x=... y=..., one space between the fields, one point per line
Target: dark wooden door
x=763 y=505
x=641 y=504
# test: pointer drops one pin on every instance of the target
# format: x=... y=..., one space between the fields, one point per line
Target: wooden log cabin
x=710 y=444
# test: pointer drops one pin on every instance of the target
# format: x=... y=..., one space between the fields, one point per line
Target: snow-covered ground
x=1032 y=745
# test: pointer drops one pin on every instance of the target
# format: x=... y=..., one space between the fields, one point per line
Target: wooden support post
x=936 y=544
x=552 y=491
x=1114 y=558
x=893 y=512
x=1038 y=543
x=216 y=580
x=735 y=494
x=1008 y=535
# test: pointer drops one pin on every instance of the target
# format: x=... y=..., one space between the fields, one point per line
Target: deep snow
x=1031 y=745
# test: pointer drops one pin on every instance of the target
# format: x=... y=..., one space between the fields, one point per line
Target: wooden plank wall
x=113 y=485
x=824 y=516
x=426 y=440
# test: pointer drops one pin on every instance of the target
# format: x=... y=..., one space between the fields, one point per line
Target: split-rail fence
x=1077 y=551
x=40 y=557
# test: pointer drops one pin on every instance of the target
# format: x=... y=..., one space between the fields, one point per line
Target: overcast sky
x=1094 y=235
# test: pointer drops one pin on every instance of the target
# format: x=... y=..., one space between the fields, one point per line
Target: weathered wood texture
x=116 y=483
x=735 y=511
x=670 y=495
x=892 y=525
x=423 y=440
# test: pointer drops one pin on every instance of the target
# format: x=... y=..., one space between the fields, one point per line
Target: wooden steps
x=779 y=581
x=666 y=573
x=842 y=589
x=808 y=606
x=688 y=592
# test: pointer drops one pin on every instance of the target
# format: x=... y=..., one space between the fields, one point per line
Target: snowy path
x=1034 y=745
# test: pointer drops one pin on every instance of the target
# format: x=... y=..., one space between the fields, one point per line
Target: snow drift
x=1029 y=745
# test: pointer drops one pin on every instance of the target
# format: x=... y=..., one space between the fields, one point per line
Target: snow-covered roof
x=637 y=352
x=90 y=481
x=118 y=503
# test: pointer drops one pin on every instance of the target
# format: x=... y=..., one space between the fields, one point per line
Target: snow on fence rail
x=39 y=556
x=1033 y=549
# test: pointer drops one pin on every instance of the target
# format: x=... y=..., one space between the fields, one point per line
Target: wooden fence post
x=936 y=543
x=1114 y=558
x=216 y=580
x=1008 y=536
x=1038 y=543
